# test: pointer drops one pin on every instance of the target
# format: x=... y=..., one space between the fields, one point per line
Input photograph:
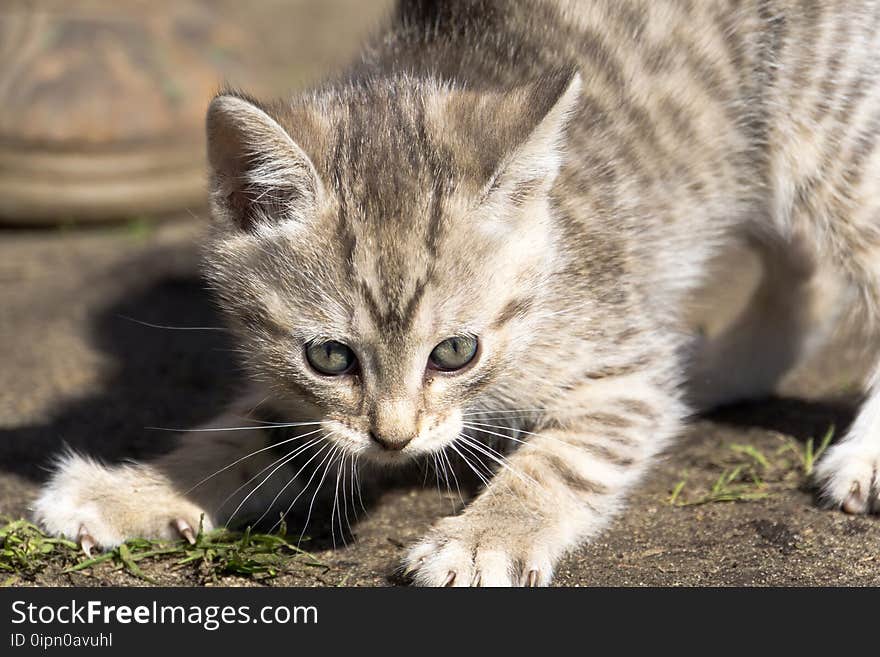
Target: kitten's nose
x=393 y=422
x=390 y=442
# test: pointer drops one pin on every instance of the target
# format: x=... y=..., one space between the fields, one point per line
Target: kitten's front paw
x=849 y=476
x=103 y=506
x=468 y=551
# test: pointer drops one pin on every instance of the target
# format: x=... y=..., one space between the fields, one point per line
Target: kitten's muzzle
x=391 y=442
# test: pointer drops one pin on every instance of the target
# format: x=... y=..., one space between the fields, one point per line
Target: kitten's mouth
x=415 y=450
x=392 y=457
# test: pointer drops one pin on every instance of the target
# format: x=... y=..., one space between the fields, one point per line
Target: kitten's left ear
x=532 y=166
x=258 y=175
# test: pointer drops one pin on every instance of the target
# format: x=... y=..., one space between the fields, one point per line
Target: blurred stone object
x=102 y=101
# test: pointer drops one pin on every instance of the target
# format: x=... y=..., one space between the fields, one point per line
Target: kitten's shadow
x=800 y=418
x=160 y=377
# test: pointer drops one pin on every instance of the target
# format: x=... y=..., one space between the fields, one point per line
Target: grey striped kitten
x=477 y=245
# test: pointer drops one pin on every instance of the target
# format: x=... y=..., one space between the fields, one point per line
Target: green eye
x=331 y=358
x=453 y=353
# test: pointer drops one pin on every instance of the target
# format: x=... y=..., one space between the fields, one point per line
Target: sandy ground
x=77 y=371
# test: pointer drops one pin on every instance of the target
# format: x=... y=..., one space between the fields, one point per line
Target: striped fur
x=554 y=177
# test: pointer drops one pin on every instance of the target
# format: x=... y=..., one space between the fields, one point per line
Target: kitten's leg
x=555 y=491
x=105 y=505
x=785 y=318
x=850 y=472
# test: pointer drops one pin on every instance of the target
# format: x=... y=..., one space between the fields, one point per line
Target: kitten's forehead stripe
x=373 y=306
x=432 y=236
x=515 y=308
x=412 y=305
x=393 y=316
x=347 y=241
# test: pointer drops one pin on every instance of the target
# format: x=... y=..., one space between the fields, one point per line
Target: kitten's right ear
x=258 y=175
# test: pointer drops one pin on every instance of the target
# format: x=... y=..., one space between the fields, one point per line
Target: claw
x=855 y=502
x=478 y=580
x=86 y=541
x=185 y=530
x=411 y=568
x=533 y=578
x=450 y=579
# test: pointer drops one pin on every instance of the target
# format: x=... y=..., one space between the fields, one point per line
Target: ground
x=77 y=370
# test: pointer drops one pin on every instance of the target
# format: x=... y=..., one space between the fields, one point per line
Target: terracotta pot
x=102 y=102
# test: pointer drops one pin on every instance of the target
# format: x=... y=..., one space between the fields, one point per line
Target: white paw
x=849 y=476
x=103 y=506
x=464 y=551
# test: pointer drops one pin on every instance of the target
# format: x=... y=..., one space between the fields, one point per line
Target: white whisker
x=314 y=497
x=247 y=456
x=470 y=465
x=213 y=429
x=497 y=457
x=522 y=505
x=505 y=411
x=436 y=472
x=173 y=328
x=292 y=479
x=454 y=477
x=304 y=488
x=357 y=480
x=333 y=509
x=270 y=424
x=286 y=459
x=475 y=426
x=442 y=463
x=258 y=486
x=345 y=496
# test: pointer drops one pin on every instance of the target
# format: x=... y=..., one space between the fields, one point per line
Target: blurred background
x=102 y=102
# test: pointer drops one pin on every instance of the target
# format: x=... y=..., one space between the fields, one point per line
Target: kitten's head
x=383 y=248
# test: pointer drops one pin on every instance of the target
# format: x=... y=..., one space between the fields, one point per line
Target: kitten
x=480 y=242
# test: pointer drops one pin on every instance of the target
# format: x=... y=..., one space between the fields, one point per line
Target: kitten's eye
x=453 y=353
x=331 y=358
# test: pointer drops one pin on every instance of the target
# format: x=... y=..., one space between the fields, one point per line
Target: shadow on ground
x=158 y=377
x=802 y=419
